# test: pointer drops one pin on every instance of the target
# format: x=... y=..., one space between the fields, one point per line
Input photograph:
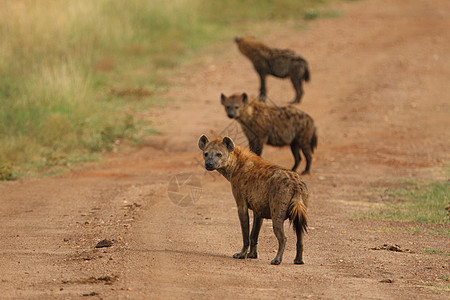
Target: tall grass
x=59 y=59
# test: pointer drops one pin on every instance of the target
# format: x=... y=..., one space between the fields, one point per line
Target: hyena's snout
x=210 y=165
x=231 y=114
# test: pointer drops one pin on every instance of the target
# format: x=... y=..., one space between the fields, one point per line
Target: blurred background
x=74 y=74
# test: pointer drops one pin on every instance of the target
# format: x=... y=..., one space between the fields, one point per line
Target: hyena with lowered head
x=271 y=192
x=280 y=63
x=273 y=125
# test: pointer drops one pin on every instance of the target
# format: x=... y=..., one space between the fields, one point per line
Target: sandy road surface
x=380 y=97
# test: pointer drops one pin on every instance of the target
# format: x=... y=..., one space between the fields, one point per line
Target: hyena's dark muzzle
x=231 y=112
x=210 y=165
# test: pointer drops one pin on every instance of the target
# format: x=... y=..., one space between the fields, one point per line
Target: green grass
x=75 y=74
x=435 y=251
x=417 y=202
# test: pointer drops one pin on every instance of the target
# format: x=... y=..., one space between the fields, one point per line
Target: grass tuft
x=414 y=202
x=6 y=172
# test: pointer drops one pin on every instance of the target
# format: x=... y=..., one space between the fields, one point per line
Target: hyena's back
x=269 y=190
x=284 y=62
x=284 y=125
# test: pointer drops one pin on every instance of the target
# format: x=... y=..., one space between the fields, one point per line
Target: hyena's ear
x=222 y=98
x=244 y=98
x=228 y=142
x=202 y=142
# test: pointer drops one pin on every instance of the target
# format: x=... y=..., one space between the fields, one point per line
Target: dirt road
x=380 y=97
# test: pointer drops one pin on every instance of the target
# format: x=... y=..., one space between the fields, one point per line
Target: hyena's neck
x=248 y=114
x=236 y=160
x=254 y=50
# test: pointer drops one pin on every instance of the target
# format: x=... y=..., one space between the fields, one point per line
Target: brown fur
x=273 y=125
x=280 y=63
x=270 y=191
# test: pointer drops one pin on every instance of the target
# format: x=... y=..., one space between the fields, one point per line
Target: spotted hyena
x=281 y=63
x=271 y=192
x=276 y=126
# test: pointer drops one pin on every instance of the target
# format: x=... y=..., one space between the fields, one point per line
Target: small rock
x=104 y=243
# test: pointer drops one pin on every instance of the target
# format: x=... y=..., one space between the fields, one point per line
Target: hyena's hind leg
x=278 y=213
x=299 y=257
x=295 y=148
x=262 y=87
x=307 y=151
x=257 y=222
x=296 y=80
x=278 y=229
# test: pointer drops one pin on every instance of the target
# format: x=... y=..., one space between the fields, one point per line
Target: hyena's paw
x=298 y=262
x=240 y=255
x=275 y=261
x=306 y=172
x=262 y=98
x=252 y=254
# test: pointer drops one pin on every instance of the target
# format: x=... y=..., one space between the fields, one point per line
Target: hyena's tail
x=314 y=140
x=307 y=76
x=297 y=214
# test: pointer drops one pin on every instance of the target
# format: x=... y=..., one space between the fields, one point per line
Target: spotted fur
x=270 y=191
x=273 y=125
x=281 y=63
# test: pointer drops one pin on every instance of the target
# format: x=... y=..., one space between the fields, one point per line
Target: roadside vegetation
x=74 y=74
x=425 y=202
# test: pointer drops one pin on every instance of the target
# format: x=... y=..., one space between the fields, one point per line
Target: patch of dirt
x=379 y=96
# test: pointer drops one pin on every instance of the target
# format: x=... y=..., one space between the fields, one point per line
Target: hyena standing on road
x=280 y=63
x=273 y=125
x=271 y=192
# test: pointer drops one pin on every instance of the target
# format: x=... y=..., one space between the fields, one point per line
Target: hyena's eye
x=227 y=107
x=205 y=154
x=236 y=107
x=219 y=155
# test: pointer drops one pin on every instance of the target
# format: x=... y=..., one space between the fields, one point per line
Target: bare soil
x=380 y=97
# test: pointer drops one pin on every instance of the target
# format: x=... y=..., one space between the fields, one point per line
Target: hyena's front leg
x=243 y=217
x=256 y=144
x=257 y=222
